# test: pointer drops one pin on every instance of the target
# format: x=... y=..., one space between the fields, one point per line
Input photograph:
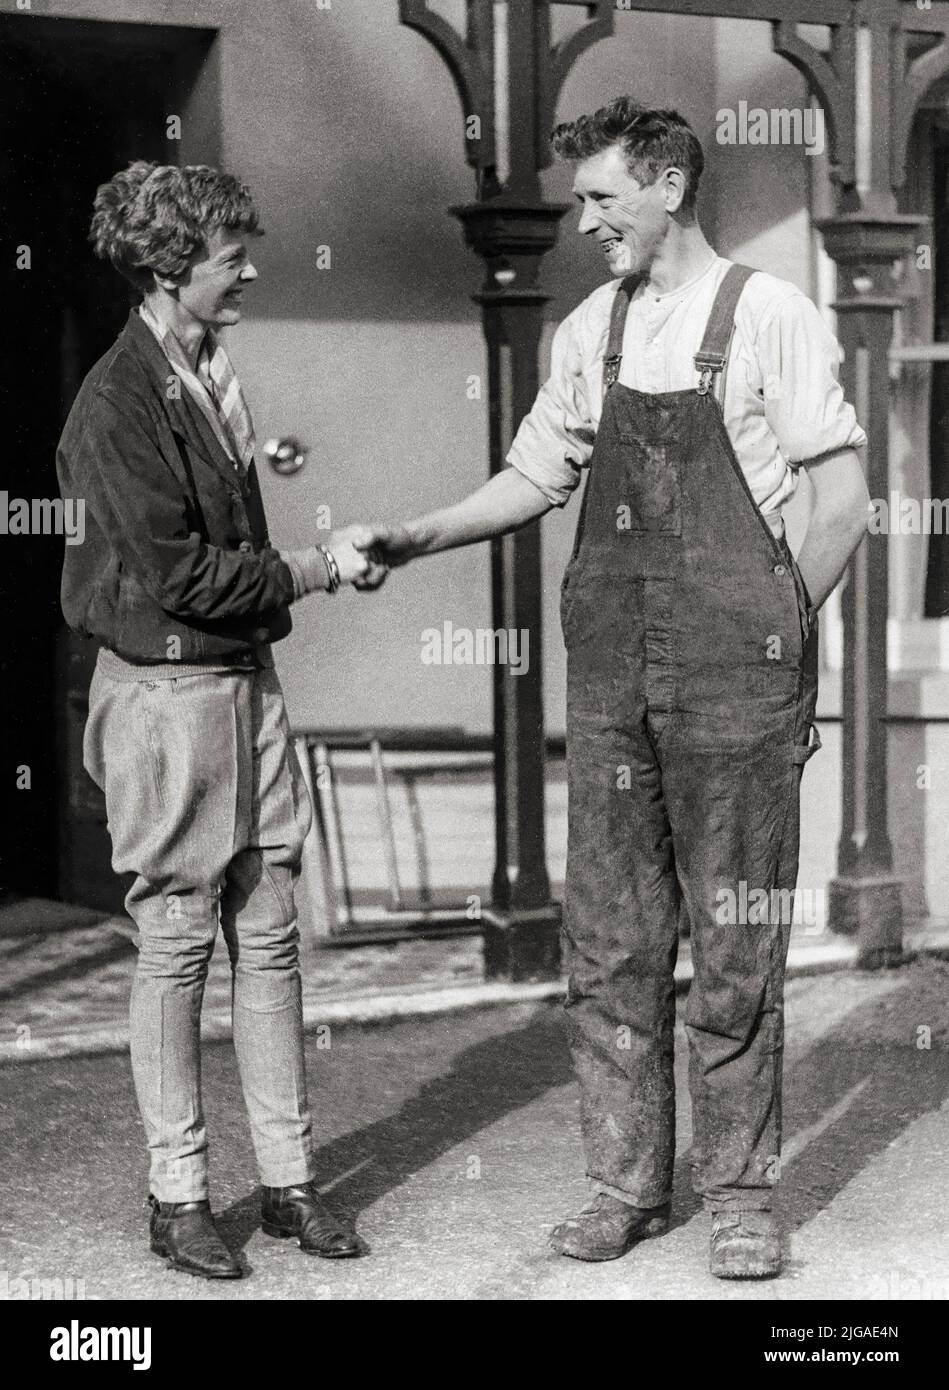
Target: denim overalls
x=691 y=687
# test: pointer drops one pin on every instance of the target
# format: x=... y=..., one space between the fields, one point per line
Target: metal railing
x=406 y=755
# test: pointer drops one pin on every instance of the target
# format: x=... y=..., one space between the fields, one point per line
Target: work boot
x=301 y=1212
x=185 y=1235
x=745 y=1245
x=607 y=1228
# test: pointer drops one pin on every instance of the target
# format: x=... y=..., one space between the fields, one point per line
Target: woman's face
x=213 y=287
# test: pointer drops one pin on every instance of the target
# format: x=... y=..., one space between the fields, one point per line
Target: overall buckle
x=705 y=381
x=611 y=367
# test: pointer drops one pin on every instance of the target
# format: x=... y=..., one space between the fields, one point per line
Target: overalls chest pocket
x=649 y=484
x=641 y=447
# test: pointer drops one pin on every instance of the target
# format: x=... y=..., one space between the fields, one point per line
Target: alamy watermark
x=28 y=1287
x=908 y=516
x=759 y=907
x=481 y=646
x=781 y=125
x=43 y=516
x=898 y=1286
x=77 y=1343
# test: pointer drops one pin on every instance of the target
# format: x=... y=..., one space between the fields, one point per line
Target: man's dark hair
x=155 y=216
x=651 y=141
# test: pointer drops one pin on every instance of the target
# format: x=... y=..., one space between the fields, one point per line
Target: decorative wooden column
x=883 y=57
x=507 y=120
x=521 y=929
x=865 y=897
x=871 y=88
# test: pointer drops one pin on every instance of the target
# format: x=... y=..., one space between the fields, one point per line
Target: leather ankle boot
x=301 y=1212
x=607 y=1228
x=745 y=1245
x=184 y=1233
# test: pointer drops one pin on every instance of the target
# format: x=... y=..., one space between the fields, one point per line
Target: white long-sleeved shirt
x=783 y=404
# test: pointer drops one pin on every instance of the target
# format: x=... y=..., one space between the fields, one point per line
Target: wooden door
x=78 y=100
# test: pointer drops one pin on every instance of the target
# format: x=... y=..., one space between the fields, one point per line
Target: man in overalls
x=694 y=390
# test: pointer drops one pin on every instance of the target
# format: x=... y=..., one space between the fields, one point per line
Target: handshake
x=360 y=555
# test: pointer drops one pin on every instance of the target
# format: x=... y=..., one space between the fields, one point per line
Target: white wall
x=348 y=129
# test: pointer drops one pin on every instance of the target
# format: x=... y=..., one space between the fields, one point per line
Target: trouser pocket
x=806 y=609
x=804 y=751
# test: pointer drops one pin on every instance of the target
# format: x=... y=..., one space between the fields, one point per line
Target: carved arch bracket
x=470 y=61
x=832 y=82
x=555 y=63
x=918 y=77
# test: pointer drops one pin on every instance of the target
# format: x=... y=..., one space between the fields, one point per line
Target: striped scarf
x=214 y=388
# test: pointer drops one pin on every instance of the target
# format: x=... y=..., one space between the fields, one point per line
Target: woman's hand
x=352 y=564
x=355 y=552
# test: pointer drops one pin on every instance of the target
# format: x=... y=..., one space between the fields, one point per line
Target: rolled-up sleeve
x=556 y=439
x=799 y=360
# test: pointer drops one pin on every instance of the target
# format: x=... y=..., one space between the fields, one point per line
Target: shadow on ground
x=398 y=1098
x=868 y=1068
x=484 y=1083
x=870 y=1074
x=69 y=970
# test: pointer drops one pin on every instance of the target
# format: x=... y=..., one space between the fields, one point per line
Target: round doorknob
x=285 y=455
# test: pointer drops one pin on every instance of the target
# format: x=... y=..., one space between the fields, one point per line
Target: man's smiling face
x=627 y=219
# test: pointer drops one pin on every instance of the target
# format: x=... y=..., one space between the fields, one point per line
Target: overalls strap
x=713 y=354
x=614 y=343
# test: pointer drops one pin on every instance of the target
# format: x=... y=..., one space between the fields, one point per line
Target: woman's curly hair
x=153 y=217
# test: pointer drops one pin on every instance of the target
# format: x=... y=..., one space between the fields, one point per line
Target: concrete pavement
x=454 y=1141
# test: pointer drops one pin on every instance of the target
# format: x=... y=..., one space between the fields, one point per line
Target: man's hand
x=388 y=545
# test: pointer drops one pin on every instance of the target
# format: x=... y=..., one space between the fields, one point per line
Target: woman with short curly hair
x=153 y=218
x=187 y=730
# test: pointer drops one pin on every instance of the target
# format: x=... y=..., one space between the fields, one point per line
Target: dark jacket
x=176 y=541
